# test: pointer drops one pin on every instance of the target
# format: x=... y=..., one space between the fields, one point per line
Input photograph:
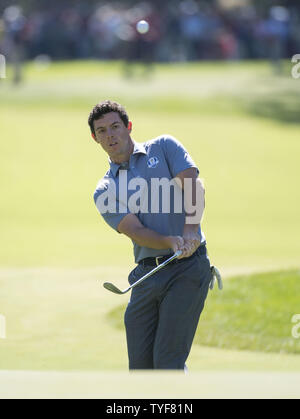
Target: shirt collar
x=138 y=148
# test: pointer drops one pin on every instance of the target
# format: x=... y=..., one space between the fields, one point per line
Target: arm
x=131 y=226
x=194 y=203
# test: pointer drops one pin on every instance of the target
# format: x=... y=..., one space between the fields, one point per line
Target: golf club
x=111 y=287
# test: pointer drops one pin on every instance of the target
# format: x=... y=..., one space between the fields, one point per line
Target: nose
x=109 y=133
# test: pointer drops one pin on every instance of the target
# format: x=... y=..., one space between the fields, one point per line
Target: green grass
x=58 y=319
x=55 y=320
x=247 y=152
x=240 y=122
x=253 y=312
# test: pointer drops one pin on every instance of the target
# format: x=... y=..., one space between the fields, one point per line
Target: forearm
x=146 y=237
x=194 y=211
x=190 y=228
x=194 y=203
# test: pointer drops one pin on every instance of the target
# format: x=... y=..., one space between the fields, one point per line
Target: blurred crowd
x=180 y=30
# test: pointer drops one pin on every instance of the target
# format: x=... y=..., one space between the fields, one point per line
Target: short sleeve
x=177 y=156
x=112 y=210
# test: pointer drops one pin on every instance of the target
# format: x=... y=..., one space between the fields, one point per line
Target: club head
x=112 y=288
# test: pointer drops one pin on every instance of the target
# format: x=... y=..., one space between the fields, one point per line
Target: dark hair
x=105 y=107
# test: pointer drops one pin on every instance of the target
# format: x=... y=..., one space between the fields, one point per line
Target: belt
x=155 y=261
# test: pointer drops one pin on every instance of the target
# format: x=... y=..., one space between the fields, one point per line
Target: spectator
x=14 y=39
x=179 y=30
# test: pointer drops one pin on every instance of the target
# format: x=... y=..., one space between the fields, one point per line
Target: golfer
x=163 y=312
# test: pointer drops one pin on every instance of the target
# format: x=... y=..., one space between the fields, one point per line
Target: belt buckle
x=157 y=260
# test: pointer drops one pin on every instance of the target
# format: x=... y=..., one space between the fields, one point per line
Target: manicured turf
x=58 y=319
x=240 y=123
x=253 y=312
x=246 y=148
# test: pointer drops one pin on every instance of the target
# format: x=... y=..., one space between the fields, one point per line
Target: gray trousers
x=163 y=313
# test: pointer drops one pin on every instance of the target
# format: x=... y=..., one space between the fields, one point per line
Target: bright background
x=240 y=122
x=231 y=117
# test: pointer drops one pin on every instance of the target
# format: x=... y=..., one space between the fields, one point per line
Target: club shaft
x=157 y=268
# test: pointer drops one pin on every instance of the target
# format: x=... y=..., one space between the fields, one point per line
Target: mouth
x=113 y=144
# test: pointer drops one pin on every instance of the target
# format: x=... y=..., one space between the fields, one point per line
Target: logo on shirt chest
x=152 y=162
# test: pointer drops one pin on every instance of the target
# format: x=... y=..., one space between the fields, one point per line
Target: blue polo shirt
x=140 y=186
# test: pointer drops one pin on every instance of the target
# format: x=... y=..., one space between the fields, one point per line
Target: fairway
x=249 y=162
x=58 y=319
x=250 y=313
x=240 y=123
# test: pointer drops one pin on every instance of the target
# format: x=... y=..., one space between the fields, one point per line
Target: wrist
x=168 y=242
x=190 y=228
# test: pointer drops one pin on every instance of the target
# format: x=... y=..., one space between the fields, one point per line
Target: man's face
x=113 y=136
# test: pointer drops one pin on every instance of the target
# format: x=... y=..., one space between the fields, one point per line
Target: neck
x=122 y=158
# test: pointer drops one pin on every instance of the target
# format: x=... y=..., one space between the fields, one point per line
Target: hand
x=176 y=243
x=192 y=241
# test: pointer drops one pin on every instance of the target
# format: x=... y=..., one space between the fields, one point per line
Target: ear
x=94 y=136
x=129 y=127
